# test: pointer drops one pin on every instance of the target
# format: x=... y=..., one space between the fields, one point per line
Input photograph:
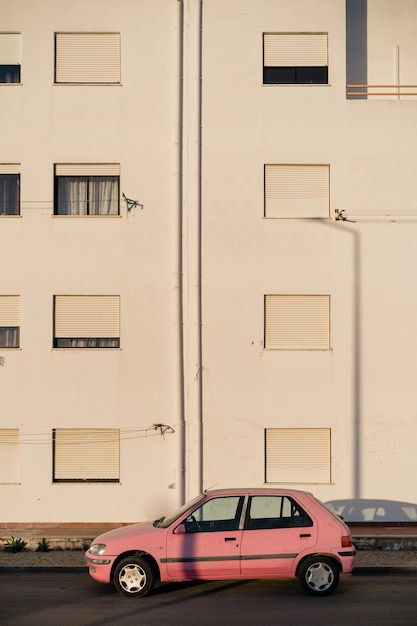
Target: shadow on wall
x=357 y=44
x=374 y=510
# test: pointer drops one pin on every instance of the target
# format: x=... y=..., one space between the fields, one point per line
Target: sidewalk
x=380 y=550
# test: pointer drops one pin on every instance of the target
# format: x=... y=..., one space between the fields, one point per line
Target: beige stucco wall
x=134 y=255
x=363 y=389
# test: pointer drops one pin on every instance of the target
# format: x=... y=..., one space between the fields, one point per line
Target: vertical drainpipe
x=181 y=460
x=191 y=453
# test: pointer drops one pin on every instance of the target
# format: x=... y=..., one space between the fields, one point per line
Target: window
x=10 y=55
x=9 y=321
x=266 y=512
x=87 y=189
x=218 y=514
x=87 y=58
x=295 y=58
x=298 y=455
x=86 y=454
x=86 y=322
x=9 y=455
x=9 y=189
x=297 y=322
x=297 y=191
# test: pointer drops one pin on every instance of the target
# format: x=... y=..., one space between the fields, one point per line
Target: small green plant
x=15 y=545
x=43 y=546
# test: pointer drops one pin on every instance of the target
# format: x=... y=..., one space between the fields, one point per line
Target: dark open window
x=9 y=194
x=296 y=75
x=9 y=73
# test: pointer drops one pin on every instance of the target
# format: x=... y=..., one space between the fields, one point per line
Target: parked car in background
x=372 y=510
x=229 y=534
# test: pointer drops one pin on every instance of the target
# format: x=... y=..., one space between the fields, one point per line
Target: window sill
x=298 y=349
x=304 y=218
x=87 y=84
x=309 y=85
x=86 y=349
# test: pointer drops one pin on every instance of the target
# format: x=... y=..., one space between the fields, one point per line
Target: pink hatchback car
x=229 y=534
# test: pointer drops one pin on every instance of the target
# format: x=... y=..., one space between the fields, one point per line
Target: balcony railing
x=379 y=91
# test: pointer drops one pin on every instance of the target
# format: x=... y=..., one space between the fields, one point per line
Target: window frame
x=195 y=522
x=91 y=174
x=10 y=58
x=9 y=457
x=277 y=522
x=83 y=314
x=9 y=175
x=72 y=65
x=9 y=321
x=300 y=62
x=298 y=455
x=297 y=190
x=76 y=439
x=302 y=323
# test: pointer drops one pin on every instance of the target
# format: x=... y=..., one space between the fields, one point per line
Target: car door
x=206 y=542
x=276 y=530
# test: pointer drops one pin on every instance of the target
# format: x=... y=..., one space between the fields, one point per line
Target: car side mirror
x=180 y=530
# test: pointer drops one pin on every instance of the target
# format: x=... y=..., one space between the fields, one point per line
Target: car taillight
x=346 y=541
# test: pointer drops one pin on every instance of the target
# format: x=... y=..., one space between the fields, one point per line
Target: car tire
x=319 y=575
x=133 y=577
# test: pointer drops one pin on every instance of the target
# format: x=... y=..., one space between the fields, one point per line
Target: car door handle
x=230 y=538
x=306 y=535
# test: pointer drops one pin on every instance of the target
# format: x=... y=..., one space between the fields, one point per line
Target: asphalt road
x=76 y=600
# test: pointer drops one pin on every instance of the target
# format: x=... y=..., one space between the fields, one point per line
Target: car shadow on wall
x=388 y=512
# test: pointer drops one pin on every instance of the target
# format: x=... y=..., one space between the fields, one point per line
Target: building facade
x=208 y=222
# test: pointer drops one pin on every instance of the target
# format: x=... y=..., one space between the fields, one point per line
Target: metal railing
x=393 y=91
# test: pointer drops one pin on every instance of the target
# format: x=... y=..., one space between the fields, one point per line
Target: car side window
x=218 y=514
x=268 y=512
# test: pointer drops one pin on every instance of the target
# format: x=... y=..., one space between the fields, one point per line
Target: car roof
x=255 y=491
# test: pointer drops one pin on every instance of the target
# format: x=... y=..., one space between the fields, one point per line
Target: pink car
x=229 y=534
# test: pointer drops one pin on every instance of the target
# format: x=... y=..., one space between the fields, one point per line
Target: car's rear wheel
x=319 y=575
x=133 y=577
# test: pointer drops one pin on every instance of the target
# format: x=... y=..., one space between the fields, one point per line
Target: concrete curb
x=50 y=569
x=384 y=570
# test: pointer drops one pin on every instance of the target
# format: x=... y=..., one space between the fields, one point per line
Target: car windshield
x=164 y=522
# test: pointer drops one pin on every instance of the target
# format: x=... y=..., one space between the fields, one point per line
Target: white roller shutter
x=9 y=455
x=9 y=168
x=87 y=316
x=87 y=58
x=297 y=322
x=295 y=50
x=297 y=191
x=87 y=169
x=86 y=454
x=9 y=310
x=10 y=48
x=298 y=455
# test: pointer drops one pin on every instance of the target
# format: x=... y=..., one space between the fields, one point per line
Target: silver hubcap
x=319 y=576
x=132 y=578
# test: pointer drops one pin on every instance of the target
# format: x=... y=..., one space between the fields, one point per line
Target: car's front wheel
x=319 y=575
x=133 y=577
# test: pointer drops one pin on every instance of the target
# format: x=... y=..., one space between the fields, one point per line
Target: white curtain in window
x=103 y=195
x=9 y=337
x=72 y=196
x=95 y=195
